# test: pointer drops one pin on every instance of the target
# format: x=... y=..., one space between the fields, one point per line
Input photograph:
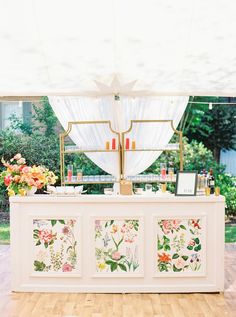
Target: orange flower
x=164 y=257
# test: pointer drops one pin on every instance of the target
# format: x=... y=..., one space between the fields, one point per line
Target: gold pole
x=181 y=151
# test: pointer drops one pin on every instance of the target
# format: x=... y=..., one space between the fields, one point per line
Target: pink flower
x=17 y=156
x=67 y=267
x=30 y=182
x=166 y=226
x=179 y=263
x=46 y=235
x=66 y=230
x=191 y=242
x=71 y=222
x=26 y=169
x=21 y=161
x=176 y=223
x=7 y=180
x=116 y=256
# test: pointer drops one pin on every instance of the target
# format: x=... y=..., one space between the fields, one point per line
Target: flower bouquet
x=20 y=178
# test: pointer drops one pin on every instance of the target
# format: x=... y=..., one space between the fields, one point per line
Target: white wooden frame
x=203 y=270
x=138 y=217
x=78 y=234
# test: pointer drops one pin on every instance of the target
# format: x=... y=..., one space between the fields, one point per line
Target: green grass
x=230 y=233
x=4 y=233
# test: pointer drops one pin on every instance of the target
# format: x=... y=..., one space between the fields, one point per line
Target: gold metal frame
x=180 y=134
x=121 y=146
x=62 y=147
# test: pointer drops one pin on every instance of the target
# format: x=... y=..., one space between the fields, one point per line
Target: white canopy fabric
x=60 y=47
x=120 y=113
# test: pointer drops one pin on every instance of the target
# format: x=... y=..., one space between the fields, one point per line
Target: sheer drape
x=120 y=113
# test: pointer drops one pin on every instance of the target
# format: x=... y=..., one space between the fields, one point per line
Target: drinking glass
x=163 y=187
x=207 y=191
x=79 y=174
x=171 y=173
x=217 y=191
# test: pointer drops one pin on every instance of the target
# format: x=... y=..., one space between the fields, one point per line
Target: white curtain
x=120 y=113
x=150 y=135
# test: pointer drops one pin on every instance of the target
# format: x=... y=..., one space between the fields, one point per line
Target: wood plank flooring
x=118 y=305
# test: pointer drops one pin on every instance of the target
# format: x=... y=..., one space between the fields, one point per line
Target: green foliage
x=4 y=233
x=215 y=128
x=45 y=116
x=37 y=149
x=196 y=158
x=18 y=124
x=230 y=233
x=227 y=185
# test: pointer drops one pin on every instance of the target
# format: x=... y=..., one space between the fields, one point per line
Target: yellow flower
x=11 y=192
x=114 y=229
x=102 y=266
x=22 y=192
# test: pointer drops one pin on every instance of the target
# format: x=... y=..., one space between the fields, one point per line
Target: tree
x=46 y=116
x=215 y=127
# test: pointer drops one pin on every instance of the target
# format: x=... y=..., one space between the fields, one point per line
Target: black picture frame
x=179 y=190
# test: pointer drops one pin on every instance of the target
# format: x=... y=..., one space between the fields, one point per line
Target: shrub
x=227 y=185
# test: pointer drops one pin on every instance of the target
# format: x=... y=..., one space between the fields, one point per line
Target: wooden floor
x=118 y=305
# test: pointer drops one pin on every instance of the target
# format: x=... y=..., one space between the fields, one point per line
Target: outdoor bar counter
x=117 y=244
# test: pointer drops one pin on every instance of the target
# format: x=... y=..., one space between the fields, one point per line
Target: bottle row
x=129 y=145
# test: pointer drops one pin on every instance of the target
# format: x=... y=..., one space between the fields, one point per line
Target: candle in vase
x=163 y=170
x=113 y=146
x=133 y=145
x=69 y=173
x=107 y=145
x=127 y=144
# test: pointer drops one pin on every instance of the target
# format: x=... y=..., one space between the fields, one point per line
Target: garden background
x=206 y=132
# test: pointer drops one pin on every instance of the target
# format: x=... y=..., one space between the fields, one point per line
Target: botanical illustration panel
x=55 y=245
x=180 y=246
x=117 y=246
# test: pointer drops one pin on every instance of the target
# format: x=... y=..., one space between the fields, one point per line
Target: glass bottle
x=211 y=182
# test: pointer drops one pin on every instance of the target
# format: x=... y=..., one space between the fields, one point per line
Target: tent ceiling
x=169 y=47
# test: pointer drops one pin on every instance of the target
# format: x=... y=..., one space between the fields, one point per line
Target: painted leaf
x=185 y=257
x=53 y=222
x=175 y=269
x=113 y=266
x=62 y=221
x=166 y=247
x=196 y=240
x=39 y=266
x=122 y=267
x=175 y=256
x=182 y=227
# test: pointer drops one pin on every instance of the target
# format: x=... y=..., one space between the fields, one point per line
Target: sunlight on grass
x=230 y=233
x=4 y=234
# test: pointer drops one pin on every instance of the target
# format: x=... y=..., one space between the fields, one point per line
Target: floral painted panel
x=117 y=243
x=55 y=245
x=180 y=244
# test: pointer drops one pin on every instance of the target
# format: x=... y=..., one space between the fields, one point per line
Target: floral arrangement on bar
x=20 y=178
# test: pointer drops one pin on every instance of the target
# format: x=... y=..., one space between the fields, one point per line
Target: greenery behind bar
x=206 y=133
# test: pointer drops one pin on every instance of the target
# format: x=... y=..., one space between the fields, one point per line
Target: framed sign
x=186 y=183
